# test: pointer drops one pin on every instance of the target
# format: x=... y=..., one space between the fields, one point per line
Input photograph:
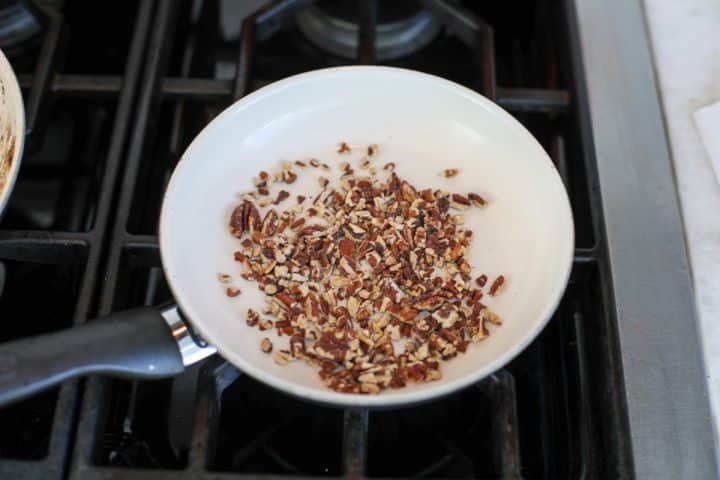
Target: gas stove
x=115 y=92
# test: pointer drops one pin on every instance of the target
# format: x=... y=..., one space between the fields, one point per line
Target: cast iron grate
x=91 y=240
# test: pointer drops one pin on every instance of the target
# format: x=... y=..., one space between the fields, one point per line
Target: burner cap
x=403 y=28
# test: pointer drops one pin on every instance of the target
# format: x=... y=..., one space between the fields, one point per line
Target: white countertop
x=685 y=35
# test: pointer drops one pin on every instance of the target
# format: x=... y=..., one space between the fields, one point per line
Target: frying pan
x=12 y=130
x=422 y=123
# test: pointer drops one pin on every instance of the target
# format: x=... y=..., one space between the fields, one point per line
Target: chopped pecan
x=238 y=219
x=499 y=281
x=368 y=263
x=288 y=176
x=232 y=292
x=282 y=358
x=459 y=202
x=346 y=247
x=252 y=317
x=477 y=200
x=269 y=224
x=282 y=195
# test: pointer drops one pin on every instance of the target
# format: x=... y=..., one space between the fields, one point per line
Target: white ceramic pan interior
x=12 y=129
x=422 y=123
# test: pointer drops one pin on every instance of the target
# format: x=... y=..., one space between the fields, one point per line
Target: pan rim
x=397 y=398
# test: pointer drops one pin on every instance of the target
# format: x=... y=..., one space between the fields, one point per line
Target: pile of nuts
x=368 y=278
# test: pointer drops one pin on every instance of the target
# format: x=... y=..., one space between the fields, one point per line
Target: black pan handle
x=135 y=343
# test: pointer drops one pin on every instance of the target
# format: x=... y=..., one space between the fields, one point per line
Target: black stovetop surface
x=114 y=92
